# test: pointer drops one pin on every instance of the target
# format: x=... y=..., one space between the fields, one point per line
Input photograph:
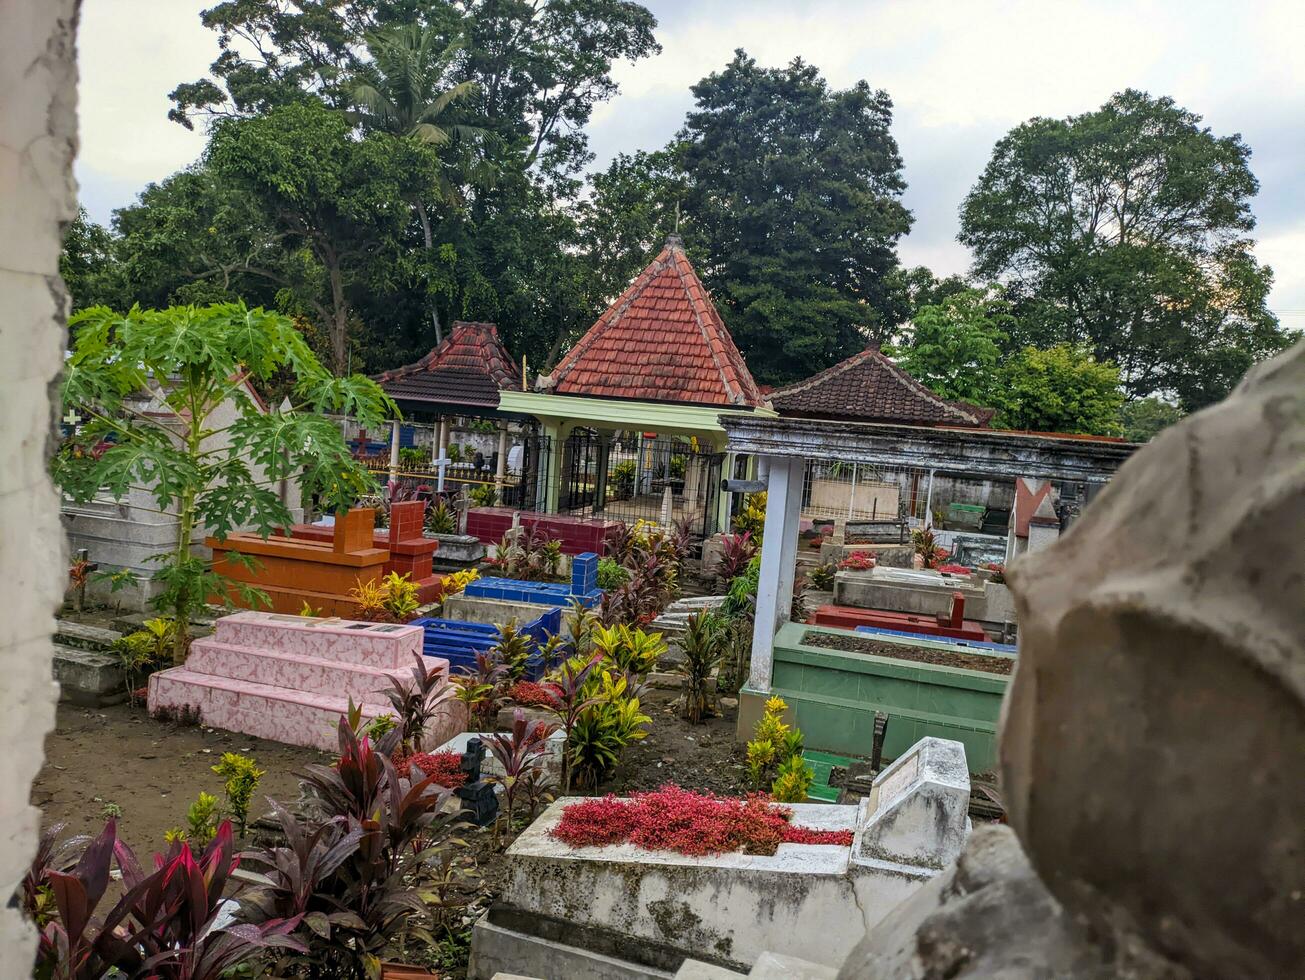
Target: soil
x=700 y=757
x=987 y=663
x=97 y=758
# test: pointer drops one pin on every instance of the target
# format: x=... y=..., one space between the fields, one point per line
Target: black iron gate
x=629 y=477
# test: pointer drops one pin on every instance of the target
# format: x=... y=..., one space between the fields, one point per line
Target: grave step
x=88 y=677
x=298 y=672
x=385 y=645
x=84 y=636
x=294 y=717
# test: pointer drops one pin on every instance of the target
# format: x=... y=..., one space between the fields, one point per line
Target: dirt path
x=151 y=770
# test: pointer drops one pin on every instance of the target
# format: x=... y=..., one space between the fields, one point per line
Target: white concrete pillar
x=500 y=472
x=928 y=502
x=444 y=436
x=394 y=452
x=778 y=558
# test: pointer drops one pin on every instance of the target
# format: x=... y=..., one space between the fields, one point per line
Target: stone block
x=776 y=966
x=917 y=813
x=84 y=636
x=88 y=678
x=925 y=593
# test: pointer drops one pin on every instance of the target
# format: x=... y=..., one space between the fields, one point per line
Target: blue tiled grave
x=583 y=587
x=951 y=641
x=459 y=641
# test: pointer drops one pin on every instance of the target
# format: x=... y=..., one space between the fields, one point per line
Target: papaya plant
x=154 y=384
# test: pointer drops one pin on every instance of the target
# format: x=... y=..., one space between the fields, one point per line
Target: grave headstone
x=477 y=794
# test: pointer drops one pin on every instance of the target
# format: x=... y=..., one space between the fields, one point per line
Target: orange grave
x=293 y=571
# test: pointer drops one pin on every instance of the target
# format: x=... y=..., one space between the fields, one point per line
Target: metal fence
x=523 y=485
x=628 y=477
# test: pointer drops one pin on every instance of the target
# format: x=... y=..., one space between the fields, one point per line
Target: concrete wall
x=38 y=139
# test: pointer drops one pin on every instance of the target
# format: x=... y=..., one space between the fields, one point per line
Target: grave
x=85 y=666
x=458 y=641
x=953 y=624
x=290 y=678
x=411 y=553
x=623 y=912
x=583 y=587
x=578 y=535
x=294 y=571
x=904 y=590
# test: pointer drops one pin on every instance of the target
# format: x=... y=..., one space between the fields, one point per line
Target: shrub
x=137 y=656
x=393 y=599
x=735 y=553
x=513 y=650
x=621 y=479
x=821 y=577
x=927 y=548
x=532 y=695
x=998 y=572
x=201 y=822
x=859 y=561
x=751 y=518
x=165 y=922
x=953 y=570
x=522 y=753
x=240 y=778
x=702 y=646
x=457 y=582
x=483 y=495
x=604 y=729
x=611 y=574
x=441 y=518
x=445 y=768
x=696 y=824
x=775 y=751
x=630 y=651
x=415 y=700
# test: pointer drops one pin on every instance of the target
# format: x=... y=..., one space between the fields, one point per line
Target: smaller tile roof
x=469 y=368
x=868 y=387
x=662 y=340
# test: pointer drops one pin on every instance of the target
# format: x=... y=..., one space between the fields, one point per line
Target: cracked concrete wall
x=38 y=140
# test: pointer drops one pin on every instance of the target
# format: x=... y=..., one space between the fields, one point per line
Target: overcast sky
x=960 y=75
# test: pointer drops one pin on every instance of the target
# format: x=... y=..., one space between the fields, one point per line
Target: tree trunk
x=426 y=234
x=339 y=326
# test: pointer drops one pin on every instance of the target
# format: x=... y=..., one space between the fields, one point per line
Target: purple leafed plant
x=521 y=752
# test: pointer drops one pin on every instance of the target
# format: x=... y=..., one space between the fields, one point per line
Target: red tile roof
x=868 y=387
x=470 y=367
x=663 y=341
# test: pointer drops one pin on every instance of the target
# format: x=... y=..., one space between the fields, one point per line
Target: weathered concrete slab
x=85 y=636
x=88 y=677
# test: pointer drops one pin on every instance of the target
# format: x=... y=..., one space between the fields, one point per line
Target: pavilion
x=462 y=376
x=645 y=390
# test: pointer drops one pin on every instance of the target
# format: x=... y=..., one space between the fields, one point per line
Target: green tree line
x=378 y=168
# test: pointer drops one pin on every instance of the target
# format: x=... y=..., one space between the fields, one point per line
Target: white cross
x=72 y=418
x=441 y=463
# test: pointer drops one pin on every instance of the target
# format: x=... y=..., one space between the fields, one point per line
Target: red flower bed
x=954 y=569
x=444 y=766
x=532 y=695
x=859 y=561
x=680 y=820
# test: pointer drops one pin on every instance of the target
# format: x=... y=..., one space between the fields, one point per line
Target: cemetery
x=619 y=664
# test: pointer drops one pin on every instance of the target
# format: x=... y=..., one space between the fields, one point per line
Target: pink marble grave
x=290 y=678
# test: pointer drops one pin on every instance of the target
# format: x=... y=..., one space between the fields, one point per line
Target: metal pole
x=851 y=500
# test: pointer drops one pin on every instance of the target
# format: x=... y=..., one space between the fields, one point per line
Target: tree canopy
x=1127 y=229
x=955 y=346
x=1061 y=388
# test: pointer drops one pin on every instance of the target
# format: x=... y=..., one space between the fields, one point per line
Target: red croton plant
x=696 y=824
x=534 y=695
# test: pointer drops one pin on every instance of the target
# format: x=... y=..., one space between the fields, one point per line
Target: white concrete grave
x=623 y=912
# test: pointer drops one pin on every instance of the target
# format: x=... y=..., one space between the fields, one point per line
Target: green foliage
x=611 y=573
x=821 y=577
x=410 y=457
x=1061 y=389
x=955 y=346
x=137 y=655
x=1127 y=228
x=603 y=729
x=201 y=822
x=483 y=495
x=90 y=265
x=1145 y=418
x=401 y=596
x=751 y=518
x=802 y=271
x=631 y=651
x=702 y=647
x=775 y=756
x=380 y=726
x=513 y=649
x=152 y=380
x=441 y=518
x=621 y=479
x=240 y=778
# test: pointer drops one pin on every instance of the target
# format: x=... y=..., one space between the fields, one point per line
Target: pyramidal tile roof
x=470 y=368
x=868 y=387
x=663 y=341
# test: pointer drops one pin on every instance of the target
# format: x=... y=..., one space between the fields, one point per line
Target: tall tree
x=794 y=190
x=1060 y=389
x=1127 y=228
x=90 y=265
x=401 y=92
x=343 y=201
x=955 y=346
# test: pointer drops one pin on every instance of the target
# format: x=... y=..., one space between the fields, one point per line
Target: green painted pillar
x=553 y=478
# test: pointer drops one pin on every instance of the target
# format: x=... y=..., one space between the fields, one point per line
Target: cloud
x=960 y=73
